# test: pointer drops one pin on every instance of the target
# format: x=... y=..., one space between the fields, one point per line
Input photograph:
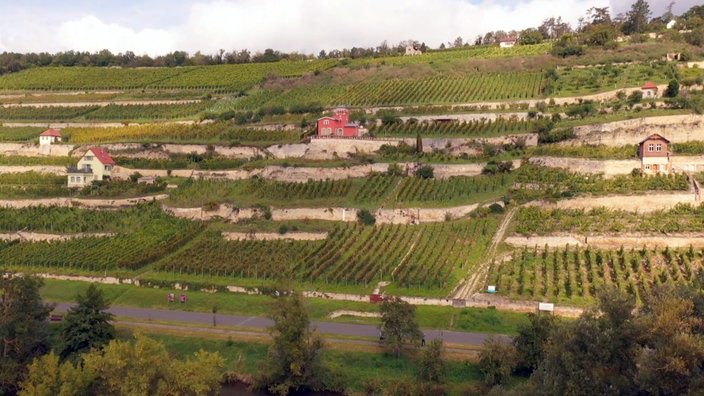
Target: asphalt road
x=342 y=329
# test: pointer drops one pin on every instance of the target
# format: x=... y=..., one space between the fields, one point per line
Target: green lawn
x=429 y=317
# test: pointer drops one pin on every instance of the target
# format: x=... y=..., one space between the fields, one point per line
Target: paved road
x=343 y=329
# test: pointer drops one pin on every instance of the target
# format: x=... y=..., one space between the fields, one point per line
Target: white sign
x=546 y=307
x=491 y=289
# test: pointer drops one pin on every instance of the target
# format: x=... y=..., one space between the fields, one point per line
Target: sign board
x=546 y=307
x=491 y=289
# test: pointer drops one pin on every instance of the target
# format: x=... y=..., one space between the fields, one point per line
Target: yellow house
x=96 y=164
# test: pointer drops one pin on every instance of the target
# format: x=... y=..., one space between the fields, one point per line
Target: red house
x=339 y=125
x=654 y=155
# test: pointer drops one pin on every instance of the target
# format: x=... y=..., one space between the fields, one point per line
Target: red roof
x=655 y=136
x=508 y=40
x=102 y=156
x=649 y=85
x=51 y=132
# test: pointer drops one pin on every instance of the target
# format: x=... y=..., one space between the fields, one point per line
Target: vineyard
x=32 y=185
x=458 y=55
x=367 y=192
x=578 y=81
x=22 y=134
x=226 y=132
x=533 y=220
x=420 y=256
x=536 y=182
x=146 y=235
x=574 y=275
x=483 y=128
x=110 y=112
x=220 y=78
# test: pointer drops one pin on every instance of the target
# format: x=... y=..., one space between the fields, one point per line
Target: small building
x=650 y=90
x=671 y=24
x=654 y=155
x=507 y=42
x=412 y=51
x=96 y=164
x=49 y=136
x=339 y=125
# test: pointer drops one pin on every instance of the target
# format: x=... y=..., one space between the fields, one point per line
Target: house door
x=656 y=168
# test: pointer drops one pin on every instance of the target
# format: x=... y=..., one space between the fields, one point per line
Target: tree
x=671 y=362
x=530 y=36
x=432 y=362
x=637 y=18
x=398 y=323
x=531 y=340
x=24 y=329
x=673 y=89
x=294 y=358
x=594 y=355
x=86 y=325
x=458 y=42
x=139 y=367
x=497 y=360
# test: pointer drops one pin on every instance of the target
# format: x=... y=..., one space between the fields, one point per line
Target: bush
x=394 y=169
x=366 y=217
x=425 y=172
x=496 y=208
x=673 y=89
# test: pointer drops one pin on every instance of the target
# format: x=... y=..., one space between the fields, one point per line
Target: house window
x=647 y=166
x=651 y=148
x=89 y=158
x=658 y=148
x=339 y=131
x=326 y=122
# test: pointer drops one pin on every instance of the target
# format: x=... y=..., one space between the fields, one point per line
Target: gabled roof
x=102 y=156
x=51 y=132
x=649 y=85
x=508 y=40
x=655 y=136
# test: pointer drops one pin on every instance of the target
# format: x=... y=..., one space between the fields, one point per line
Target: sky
x=157 y=27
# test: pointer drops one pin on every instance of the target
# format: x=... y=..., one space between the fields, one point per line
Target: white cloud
x=292 y=25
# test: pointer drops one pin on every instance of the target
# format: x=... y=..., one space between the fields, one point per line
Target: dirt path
x=39 y=237
x=106 y=204
x=480 y=272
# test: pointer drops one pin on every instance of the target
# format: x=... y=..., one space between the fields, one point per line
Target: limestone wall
x=35 y=150
x=585 y=165
x=55 y=170
x=677 y=129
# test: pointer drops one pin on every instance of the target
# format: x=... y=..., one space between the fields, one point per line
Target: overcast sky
x=156 y=27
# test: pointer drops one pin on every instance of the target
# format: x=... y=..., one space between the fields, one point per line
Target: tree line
x=615 y=348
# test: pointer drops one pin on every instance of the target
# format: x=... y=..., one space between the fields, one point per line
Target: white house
x=412 y=51
x=49 y=136
x=650 y=90
x=96 y=164
x=507 y=42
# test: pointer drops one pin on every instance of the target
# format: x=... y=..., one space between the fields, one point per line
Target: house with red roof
x=654 y=155
x=507 y=42
x=339 y=125
x=650 y=90
x=49 y=136
x=96 y=164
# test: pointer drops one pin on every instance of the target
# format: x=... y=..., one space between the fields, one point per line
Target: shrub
x=425 y=172
x=365 y=217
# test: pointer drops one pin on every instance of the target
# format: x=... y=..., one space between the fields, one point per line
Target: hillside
x=481 y=166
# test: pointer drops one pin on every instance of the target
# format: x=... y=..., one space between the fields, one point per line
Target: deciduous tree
x=294 y=358
x=398 y=323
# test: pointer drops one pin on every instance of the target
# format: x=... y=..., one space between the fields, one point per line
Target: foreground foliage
x=24 y=329
x=139 y=367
